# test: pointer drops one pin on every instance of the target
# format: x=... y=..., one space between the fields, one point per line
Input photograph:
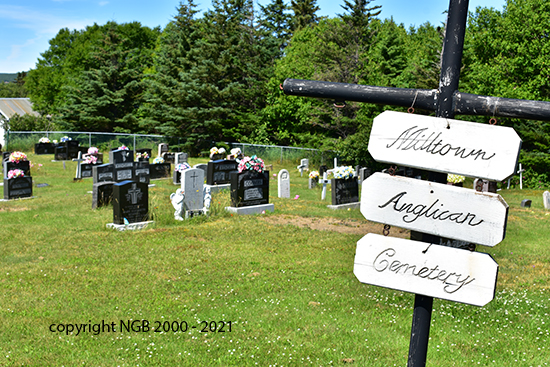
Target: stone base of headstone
x=253 y=209
x=129 y=227
x=345 y=206
x=217 y=188
x=29 y=197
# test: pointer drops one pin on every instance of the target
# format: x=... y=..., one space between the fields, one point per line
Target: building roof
x=12 y=106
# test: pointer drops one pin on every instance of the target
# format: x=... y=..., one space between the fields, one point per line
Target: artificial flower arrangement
x=455 y=178
x=236 y=152
x=90 y=159
x=182 y=167
x=314 y=175
x=143 y=155
x=16 y=173
x=54 y=141
x=65 y=138
x=93 y=151
x=215 y=151
x=17 y=157
x=344 y=172
x=44 y=140
x=123 y=147
x=251 y=164
x=158 y=160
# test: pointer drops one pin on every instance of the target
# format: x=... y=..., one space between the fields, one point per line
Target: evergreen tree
x=274 y=26
x=108 y=96
x=304 y=13
x=358 y=12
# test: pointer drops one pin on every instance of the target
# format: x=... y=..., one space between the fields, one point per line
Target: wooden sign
x=421 y=268
x=445 y=145
x=438 y=209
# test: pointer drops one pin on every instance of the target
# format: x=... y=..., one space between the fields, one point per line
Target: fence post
x=90 y=139
x=135 y=143
x=282 y=155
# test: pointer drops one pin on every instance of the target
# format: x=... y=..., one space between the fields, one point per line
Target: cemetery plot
x=422 y=268
x=445 y=145
x=438 y=209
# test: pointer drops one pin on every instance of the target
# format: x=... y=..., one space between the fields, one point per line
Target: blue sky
x=26 y=26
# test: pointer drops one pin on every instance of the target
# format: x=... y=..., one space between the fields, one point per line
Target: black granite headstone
x=24 y=166
x=103 y=173
x=219 y=172
x=44 y=148
x=130 y=202
x=123 y=164
x=344 y=191
x=141 y=171
x=60 y=153
x=102 y=194
x=249 y=188
x=322 y=169
x=169 y=157
x=18 y=187
x=159 y=170
x=86 y=170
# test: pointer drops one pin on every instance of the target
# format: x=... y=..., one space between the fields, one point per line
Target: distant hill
x=8 y=77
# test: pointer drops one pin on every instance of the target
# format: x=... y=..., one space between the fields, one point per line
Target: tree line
x=216 y=76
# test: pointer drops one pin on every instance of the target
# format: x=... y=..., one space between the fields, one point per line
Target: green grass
x=289 y=292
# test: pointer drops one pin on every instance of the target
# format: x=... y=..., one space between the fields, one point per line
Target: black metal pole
x=448 y=85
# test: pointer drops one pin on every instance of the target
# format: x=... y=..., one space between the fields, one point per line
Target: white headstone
x=283 y=180
x=304 y=165
x=546 y=199
x=192 y=182
x=325 y=181
x=163 y=148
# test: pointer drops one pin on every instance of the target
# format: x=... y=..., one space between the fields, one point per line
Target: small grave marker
x=546 y=200
x=304 y=165
x=283 y=184
x=192 y=185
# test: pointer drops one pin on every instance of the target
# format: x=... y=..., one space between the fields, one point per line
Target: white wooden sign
x=438 y=209
x=432 y=270
x=445 y=145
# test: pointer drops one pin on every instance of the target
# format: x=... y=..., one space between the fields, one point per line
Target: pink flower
x=296 y=197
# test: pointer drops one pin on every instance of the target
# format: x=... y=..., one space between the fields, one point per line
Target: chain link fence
x=25 y=141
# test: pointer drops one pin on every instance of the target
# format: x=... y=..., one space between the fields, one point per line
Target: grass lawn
x=223 y=290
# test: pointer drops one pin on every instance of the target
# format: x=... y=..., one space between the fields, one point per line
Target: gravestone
x=86 y=170
x=169 y=157
x=313 y=182
x=546 y=199
x=363 y=174
x=322 y=169
x=162 y=148
x=123 y=164
x=192 y=185
x=102 y=194
x=5 y=156
x=219 y=172
x=103 y=173
x=60 y=153
x=130 y=202
x=485 y=185
x=526 y=203
x=44 y=148
x=250 y=193
x=249 y=188
x=18 y=187
x=345 y=193
x=304 y=166
x=159 y=170
x=181 y=158
x=283 y=183
x=142 y=171
x=202 y=166
x=24 y=166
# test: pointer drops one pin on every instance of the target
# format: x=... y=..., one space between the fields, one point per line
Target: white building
x=10 y=107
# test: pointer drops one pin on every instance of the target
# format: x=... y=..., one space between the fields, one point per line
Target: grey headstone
x=202 y=166
x=192 y=182
x=102 y=194
x=313 y=182
x=283 y=181
x=546 y=199
x=526 y=203
x=181 y=158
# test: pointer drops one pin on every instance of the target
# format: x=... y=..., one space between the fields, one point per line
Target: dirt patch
x=349 y=226
x=13 y=209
